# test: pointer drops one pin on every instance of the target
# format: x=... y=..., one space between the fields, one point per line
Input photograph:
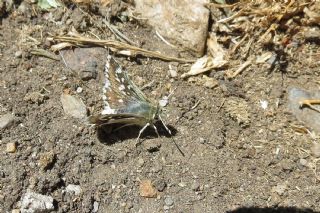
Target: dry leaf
x=204 y=64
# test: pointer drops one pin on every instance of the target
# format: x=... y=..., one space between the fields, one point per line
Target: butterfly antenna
x=169 y=131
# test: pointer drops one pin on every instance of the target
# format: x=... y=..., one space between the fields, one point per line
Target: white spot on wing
x=108 y=110
x=118 y=70
x=122 y=87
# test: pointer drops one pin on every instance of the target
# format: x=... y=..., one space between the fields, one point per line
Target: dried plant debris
x=255 y=32
x=237 y=109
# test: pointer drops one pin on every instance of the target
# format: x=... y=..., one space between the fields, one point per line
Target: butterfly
x=124 y=103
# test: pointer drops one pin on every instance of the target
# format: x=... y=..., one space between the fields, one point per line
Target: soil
x=238 y=157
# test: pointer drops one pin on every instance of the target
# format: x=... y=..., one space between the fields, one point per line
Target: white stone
x=73 y=106
x=71 y=188
x=33 y=202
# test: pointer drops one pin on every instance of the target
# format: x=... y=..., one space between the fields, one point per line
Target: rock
x=35 y=97
x=6 y=121
x=71 y=188
x=34 y=202
x=140 y=162
x=182 y=23
x=85 y=61
x=79 y=90
x=237 y=109
x=73 y=106
x=168 y=201
x=173 y=71
x=11 y=147
x=303 y=162
x=18 y=54
x=46 y=160
x=315 y=150
x=15 y=211
x=310 y=117
x=160 y=185
x=95 y=206
x=147 y=189
x=210 y=82
x=195 y=186
x=202 y=140
x=279 y=189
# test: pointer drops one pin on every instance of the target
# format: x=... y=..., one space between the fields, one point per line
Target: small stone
x=147 y=190
x=15 y=211
x=160 y=185
x=303 y=162
x=11 y=147
x=6 y=120
x=95 y=206
x=173 y=71
x=166 y=208
x=35 y=97
x=279 y=189
x=34 y=202
x=202 y=140
x=140 y=162
x=210 y=82
x=18 y=54
x=315 y=150
x=46 y=160
x=79 y=90
x=73 y=106
x=195 y=186
x=168 y=201
x=71 y=188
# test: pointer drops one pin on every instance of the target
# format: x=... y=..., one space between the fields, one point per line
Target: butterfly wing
x=120 y=94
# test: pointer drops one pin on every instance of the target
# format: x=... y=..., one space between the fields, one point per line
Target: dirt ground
x=238 y=156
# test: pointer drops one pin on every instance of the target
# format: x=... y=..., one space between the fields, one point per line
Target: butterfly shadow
x=114 y=134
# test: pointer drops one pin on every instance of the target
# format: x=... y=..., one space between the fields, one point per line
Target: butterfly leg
x=156 y=130
x=165 y=126
x=141 y=131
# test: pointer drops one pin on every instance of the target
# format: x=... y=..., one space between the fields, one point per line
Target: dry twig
x=125 y=49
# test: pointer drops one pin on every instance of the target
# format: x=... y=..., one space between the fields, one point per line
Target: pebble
x=35 y=97
x=18 y=54
x=160 y=185
x=46 y=160
x=168 y=201
x=202 y=140
x=195 y=186
x=73 y=106
x=280 y=189
x=11 y=147
x=79 y=90
x=303 y=162
x=173 y=71
x=6 y=120
x=147 y=190
x=315 y=150
x=71 y=188
x=15 y=211
x=95 y=206
x=34 y=202
x=140 y=162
